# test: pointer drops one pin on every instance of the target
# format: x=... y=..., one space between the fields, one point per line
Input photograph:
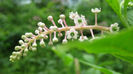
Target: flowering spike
x=29 y=40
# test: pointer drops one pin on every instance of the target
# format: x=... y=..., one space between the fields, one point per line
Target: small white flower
x=78 y=20
x=62 y=16
x=50 y=18
x=40 y=24
x=73 y=15
x=83 y=20
x=53 y=28
x=72 y=34
x=64 y=41
x=114 y=27
x=36 y=31
x=55 y=39
x=83 y=38
x=96 y=10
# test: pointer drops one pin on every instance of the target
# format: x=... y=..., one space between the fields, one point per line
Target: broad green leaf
x=104 y=70
x=117 y=7
x=68 y=60
x=116 y=44
x=115 y=4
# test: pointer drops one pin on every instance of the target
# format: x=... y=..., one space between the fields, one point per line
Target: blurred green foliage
x=16 y=19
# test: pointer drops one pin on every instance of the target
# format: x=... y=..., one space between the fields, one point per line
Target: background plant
x=15 y=20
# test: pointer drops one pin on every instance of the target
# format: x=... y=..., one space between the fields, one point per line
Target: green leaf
x=130 y=17
x=117 y=7
x=104 y=70
x=115 y=4
x=125 y=7
x=116 y=44
x=67 y=58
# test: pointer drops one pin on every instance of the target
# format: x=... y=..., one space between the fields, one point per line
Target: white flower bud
x=21 y=42
x=60 y=21
x=26 y=50
x=18 y=58
x=42 y=43
x=26 y=40
x=64 y=41
x=60 y=34
x=50 y=18
x=55 y=39
x=13 y=57
x=17 y=48
x=41 y=36
x=62 y=16
x=14 y=53
x=23 y=46
x=28 y=34
x=36 y=31
x=50 y=43
x=34 y=44
x=53 y=28
x=24 y=54
x=73 y=15
x=23 y=37
x=40 y=24
x=18 y=53
x=83 y=38
x=114 y=27
x=45 y=37
x=33 y=48
x=96 y=10
x=39 y=28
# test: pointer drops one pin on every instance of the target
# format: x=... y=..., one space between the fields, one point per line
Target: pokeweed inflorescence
x=71 y=32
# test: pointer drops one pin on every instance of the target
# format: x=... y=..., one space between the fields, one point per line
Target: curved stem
x=68 y=28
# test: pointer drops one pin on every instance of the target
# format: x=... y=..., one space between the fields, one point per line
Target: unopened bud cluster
x=29 y=40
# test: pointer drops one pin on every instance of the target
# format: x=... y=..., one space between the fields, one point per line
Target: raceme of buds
x=29 y=40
